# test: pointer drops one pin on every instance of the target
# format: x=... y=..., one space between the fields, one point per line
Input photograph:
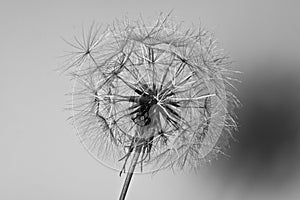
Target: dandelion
x=151 y=95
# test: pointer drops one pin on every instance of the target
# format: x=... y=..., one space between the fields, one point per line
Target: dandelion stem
x=133 y=163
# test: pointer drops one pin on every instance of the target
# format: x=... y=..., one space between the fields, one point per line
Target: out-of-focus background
x=41 y=158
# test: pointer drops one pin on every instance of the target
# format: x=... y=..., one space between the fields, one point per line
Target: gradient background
x=41 y=157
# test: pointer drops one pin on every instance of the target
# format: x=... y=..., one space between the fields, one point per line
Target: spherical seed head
x=153 y=86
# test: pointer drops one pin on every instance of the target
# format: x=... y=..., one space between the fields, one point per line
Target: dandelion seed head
x=152 y=85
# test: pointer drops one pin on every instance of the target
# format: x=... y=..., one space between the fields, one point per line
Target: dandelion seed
x=150 y=95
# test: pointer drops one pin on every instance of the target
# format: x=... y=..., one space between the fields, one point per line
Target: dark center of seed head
x=147 y=100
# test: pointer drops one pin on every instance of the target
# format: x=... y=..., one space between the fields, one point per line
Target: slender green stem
x=133 y=163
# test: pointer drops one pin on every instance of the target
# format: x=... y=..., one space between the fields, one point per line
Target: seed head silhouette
x=150 y=95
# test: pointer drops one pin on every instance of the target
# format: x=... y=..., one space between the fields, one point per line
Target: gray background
x=41 y=158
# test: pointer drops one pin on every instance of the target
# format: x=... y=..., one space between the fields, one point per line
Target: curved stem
x=133 y=163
